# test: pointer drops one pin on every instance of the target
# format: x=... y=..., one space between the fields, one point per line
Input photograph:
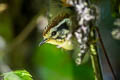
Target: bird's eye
x=54 y=33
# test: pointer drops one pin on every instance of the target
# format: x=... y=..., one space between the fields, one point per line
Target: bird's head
x=57 y=31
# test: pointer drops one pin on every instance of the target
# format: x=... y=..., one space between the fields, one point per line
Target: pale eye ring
x=54 y=33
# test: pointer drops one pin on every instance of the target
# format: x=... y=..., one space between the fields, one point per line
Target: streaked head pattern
x=57 y=31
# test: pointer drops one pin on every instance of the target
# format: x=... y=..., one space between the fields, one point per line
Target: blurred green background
x=21 y=26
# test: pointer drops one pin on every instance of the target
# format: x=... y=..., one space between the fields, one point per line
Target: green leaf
x=17 y=75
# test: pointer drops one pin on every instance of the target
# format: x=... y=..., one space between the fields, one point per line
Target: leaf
x=17 y=75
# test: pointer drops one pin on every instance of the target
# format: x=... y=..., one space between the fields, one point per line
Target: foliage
x=17 y=75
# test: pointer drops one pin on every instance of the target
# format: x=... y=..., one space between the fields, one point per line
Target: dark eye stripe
x=63 y=26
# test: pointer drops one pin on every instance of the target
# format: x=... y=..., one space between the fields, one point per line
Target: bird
x=70 y=29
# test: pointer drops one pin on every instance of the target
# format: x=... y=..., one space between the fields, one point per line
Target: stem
x=95 y=63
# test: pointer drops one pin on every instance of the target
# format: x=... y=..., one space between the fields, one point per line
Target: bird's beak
x=42 y=42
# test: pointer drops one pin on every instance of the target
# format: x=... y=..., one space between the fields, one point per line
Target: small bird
x=70 y=30
x=57 y=31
